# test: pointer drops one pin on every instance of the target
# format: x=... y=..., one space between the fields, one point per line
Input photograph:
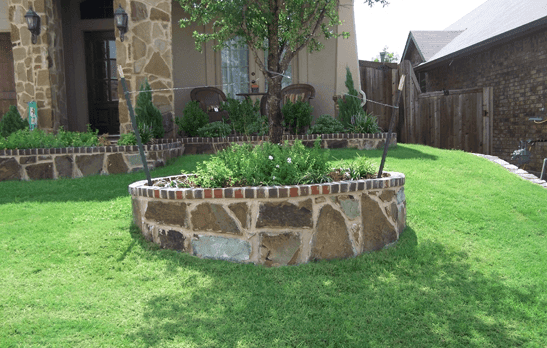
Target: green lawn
x=470 y=270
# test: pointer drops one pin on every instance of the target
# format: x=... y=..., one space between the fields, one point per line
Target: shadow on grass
x=415 y=294
x=406 y=151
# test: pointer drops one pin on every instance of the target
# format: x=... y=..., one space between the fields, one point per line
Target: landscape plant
x=145 y=132
x=282 y=28
x=297 y=116
x=349 y=106
x=215 y=129
x=364 y=123
x=148 y=115
x=37 y=138
x=193 y=118
x=326 y=124
x=243 y=114
x=12 y=122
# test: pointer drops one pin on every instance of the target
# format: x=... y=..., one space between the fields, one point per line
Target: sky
x=377 y=26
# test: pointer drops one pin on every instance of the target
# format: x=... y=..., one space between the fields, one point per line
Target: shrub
x=260 y=126
x=130 y=138
x=350 y=105
x=194 y=118
x=326 y=124
x=265 y=164
x=27 y=139
x=215 y=129
x=357 y=168
x=12 y=122
x=242 y=114
x=147 y=113
x=364 y=123
x=297 y=115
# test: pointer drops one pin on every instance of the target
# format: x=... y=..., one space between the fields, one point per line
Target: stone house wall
x=517 y=71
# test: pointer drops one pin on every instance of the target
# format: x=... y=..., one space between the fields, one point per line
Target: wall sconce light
x=33 y=23
x=382 y=56
x=121 y=21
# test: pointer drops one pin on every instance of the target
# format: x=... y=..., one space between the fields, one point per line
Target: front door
x=7 y=81
x=102 y=81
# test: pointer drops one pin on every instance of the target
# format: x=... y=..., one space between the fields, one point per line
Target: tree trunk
x=275 y=117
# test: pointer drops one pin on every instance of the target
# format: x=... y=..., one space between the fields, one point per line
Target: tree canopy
x=283 y=28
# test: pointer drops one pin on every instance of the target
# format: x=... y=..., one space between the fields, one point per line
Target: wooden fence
x=455 y=119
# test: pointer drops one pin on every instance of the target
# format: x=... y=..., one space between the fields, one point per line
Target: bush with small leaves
x=147 y=113
x=194 y=118
x=12 y=122
x=215 y=129
x=297 y=116
x=326 y=124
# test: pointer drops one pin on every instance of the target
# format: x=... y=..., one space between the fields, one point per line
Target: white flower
x=273 y=177
x=277 y=165
x=289 y=160
x=270 y=157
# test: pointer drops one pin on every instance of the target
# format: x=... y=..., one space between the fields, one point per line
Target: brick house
x=501 y=44
x=71 y=70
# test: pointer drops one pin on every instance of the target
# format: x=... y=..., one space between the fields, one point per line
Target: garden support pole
x=395 y=109
x=135 y=126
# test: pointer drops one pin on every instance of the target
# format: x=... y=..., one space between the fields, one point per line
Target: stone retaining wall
x=75 y=162
x=274 y=226
x=361 y=141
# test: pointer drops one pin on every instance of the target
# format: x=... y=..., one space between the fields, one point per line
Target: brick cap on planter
x=140 y=188
x=265 y=138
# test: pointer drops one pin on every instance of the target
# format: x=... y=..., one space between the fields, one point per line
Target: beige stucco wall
x=324 y=70
x=4 y=20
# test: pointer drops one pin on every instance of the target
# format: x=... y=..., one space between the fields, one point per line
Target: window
x=235 y=68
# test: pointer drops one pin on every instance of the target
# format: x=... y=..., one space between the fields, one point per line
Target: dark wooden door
x=7 y=81
x=102 y=81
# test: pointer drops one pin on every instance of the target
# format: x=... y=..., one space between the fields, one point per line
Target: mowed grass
x=470 y=270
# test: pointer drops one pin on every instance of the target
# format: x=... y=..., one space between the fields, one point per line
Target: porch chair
x=209 y=99
x=293 y=93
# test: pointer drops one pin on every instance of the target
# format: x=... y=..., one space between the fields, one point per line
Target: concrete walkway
x=514 y=169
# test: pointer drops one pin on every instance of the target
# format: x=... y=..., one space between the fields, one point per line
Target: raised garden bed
x=275 y=225
x=75 y=162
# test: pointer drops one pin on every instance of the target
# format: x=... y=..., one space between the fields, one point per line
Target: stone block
x=63 y=165
x=27 y=159
x=170 y=213
x=137 y=216
x=115 y=164
x=337 y=144
x=134 y=160
x=213 y=217
x=387 y=195
x=331 y=239
x=349 y=205
x=280 y=249
x=158 y=15
x=241 y=211
x=40 y=171
x=143 y=31
x=220 y=248
x=401 y=195
x=90 y=164
x=285 y=214
x=171 y=239
x=157 y=66
x=138 y=11
x=377 y=231
x=9 y=169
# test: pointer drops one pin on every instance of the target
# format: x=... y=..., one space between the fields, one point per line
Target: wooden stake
x=401 y=86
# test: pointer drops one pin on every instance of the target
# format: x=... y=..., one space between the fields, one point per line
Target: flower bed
x=74 y=162
x=361 y=141
x=273 y=225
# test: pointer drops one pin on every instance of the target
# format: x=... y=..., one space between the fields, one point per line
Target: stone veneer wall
x=146 y=53
x=39 y=68
x=75 y=162
x=273 y=226
x=517 y=72
x=359 y=141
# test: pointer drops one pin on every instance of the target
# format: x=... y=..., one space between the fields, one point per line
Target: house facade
x=501 y=44
x=71 y=70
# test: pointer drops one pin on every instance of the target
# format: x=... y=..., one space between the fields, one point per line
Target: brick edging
x=241 y=138
x=140 y=188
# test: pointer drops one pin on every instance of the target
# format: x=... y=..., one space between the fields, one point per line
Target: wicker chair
x=293 y=93
x=209 y=99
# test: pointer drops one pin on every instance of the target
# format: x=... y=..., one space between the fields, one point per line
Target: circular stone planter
x=274 y=225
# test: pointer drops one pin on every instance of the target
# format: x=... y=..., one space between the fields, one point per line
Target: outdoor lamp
x=33 y=22
x=121 y=21
x=382 y=56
